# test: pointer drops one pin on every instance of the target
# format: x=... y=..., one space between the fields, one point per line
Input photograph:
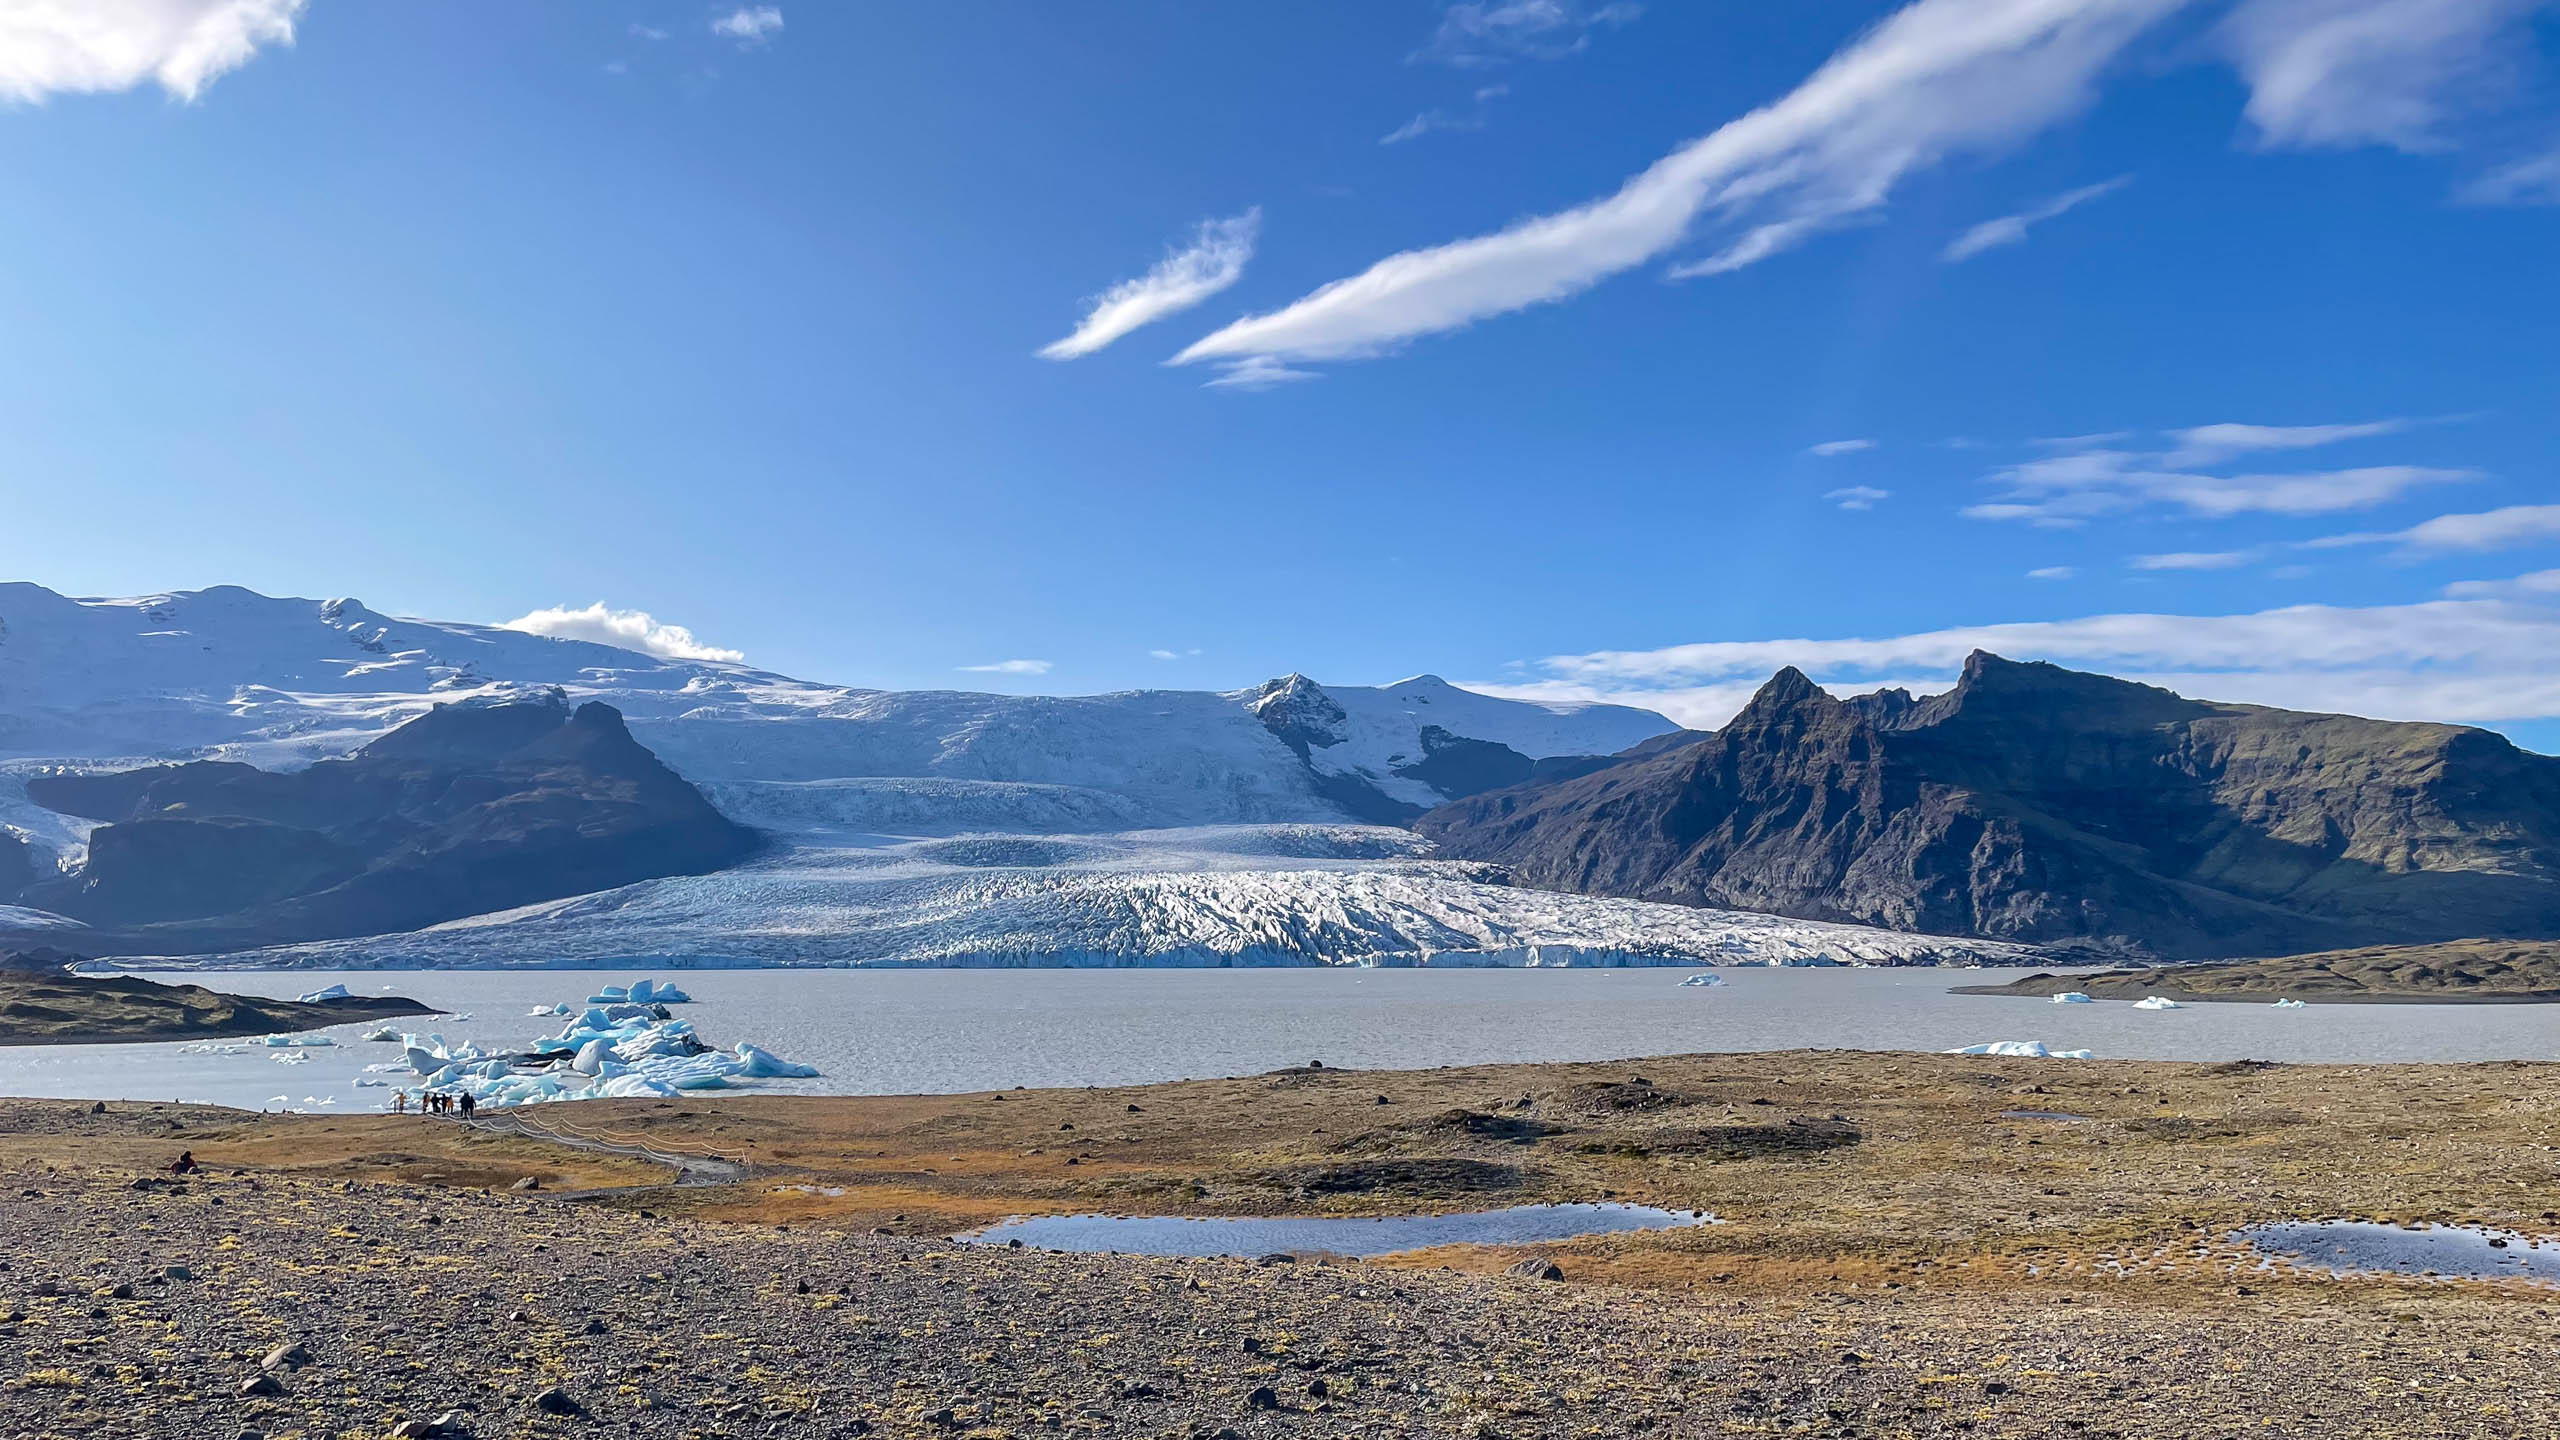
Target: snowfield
x=910 y=828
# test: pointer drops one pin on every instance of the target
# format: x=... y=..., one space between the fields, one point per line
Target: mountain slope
x=2040 y=804
x=471 y=808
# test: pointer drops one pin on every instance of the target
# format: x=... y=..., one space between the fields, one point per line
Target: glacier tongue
x=1208 y=896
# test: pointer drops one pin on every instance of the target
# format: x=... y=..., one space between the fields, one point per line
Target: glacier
x=907 y=828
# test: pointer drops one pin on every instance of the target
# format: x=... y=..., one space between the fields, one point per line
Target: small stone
x=1277 y=1258
x=527 y=1183
x=177 y=1272
x=289 y=1356
x=594 y=1326
x=414 y=1430
x=1538 y=1267
x=556 y=1401
x=121 y=1292
x=261 y=1384
x=1262 y=1397
x=1317 y=1389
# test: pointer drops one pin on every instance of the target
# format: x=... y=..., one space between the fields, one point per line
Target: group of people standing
x=435 y=1102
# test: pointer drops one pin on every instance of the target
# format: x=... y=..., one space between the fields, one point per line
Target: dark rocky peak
x=478 y=732
x=1789 y=703
x=2036 y=694
x=1297 y=710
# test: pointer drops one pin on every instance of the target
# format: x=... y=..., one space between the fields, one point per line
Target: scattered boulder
x=1537 y=1267
x=261 y=1384
x=288 y=1356
x=556 y=1401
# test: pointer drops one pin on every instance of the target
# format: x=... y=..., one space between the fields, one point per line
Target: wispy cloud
x=1435 y=119
x=1477 y=33
x=1857 y=497
x=749 y=24
x=623 y=629
x=2502 y=529
x=2533 y=180
x=2326 y=73
x=1830 y=448
x=1009 y=667
x=1938 y=78
x=51 y=47
x=2492 y=655
x=2096 y=475
x=1214 y=259
x=1259 y=372
x=2052 y=572
x=2213 y=444
x=2012 y=229
x=2196 y=560
x=1190 y=654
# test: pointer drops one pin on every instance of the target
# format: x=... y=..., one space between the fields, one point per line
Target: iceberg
x=299 y=1042
x=546 y=1012
x=2021 y=1050
x=2072 y=997
x=623 y=1044
x=384 y=1033
x=334 y=992
x=2157 y=1002
x=1702 y=980
x=2289 y=1004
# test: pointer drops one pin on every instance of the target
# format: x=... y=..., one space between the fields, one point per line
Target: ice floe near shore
x=614 y=1049
x=2021 y=1050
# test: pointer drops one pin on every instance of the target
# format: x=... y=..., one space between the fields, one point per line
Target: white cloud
x=2213 y=444
x=1448 y=120
x=647 y=32
x=1829 y=448
x=1259 y=372
x=2196 y=560
x=2359 y=72
x=2533 y=180
x=1938 y=78
x=2501 y=529
x=623 y=629
x=1857 y=497
x=2052 y=572
x=52 y=47
x=2012 y=229
x=1010 y=667
x=1190 y=654
x=1214 y=260
x=2492 y=658
x=1476 y=33
x=749 y=24
x=2541 y=584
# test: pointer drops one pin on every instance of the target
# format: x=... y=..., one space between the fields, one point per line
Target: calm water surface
x=918 y=1031
x=1186 y=1235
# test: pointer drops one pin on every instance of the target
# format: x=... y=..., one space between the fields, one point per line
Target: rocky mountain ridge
x=2038 y=804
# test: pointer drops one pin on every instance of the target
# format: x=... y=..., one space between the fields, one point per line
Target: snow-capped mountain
x=229 y=674
x=921 y=827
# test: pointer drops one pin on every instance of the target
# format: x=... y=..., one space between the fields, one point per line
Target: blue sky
x=2205 y=340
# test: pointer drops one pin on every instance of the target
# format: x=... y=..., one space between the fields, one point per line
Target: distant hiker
x=467 y=1103
x=399 y=1102
x=185 y=1164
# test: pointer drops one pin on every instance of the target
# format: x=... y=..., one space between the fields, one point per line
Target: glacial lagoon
x=922 y=1031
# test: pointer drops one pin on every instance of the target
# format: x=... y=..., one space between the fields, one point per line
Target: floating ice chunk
x=757 y=1064
x=2289 y=1004
x=545 y=1012
x=592 y=1056
x=2157 y=1002
x=1702 y=980
x=610 y=995
x=2021 y=1050
x=656 y=992
x=297 y=1042
x=2072 y=997
x=290 y=1057
x=372 y=1084
x=385 y=1033
x=334 y=992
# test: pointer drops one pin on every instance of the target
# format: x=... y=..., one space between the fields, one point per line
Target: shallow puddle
x=1189 y=1235
x=2454 y=1252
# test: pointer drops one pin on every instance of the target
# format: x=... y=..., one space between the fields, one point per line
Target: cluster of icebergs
x=624 y=1044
